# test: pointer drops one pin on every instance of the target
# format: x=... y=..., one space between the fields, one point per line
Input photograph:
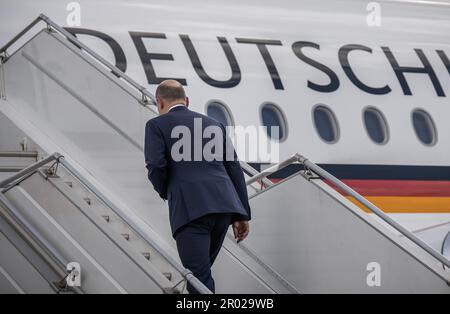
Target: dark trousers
x=199 y=243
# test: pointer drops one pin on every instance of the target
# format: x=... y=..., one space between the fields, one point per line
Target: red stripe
x=399 y=187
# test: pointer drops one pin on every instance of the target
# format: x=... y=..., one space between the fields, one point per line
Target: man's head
x=168 y=94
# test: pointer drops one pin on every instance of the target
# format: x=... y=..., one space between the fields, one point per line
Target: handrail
x=89 y=106
x=17 y=37
x=13 y=180
x=249 y=169
x=31 y=168
x=2 y=78
x=265 y=173
x=342 y=186
x=78 y=43
x=197 y=284
x=100 y=59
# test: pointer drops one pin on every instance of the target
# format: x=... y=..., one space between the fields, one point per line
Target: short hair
x=170 y=92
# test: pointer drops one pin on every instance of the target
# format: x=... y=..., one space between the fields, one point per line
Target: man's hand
x=241 y=230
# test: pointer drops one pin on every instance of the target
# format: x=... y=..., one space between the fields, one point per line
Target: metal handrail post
x=246 y=167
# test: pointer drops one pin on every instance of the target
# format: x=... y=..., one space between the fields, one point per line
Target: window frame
x=225 y=107
x=281 y=117
x=334 y=120
x=384 y=123
x=431 y=124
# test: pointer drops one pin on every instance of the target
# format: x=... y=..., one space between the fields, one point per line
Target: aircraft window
x=424 y=127
x=376 y=126
x=220 y=112
x=272 y=116
x=326 y=124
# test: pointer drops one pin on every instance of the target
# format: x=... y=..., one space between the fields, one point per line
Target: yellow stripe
x=407 y=204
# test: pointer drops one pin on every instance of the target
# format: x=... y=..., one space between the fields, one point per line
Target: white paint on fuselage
x=331 y=24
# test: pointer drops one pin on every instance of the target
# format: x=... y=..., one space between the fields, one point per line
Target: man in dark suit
x=205 y=196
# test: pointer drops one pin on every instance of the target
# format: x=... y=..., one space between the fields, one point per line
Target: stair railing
x=57 y=158
x=311 y=167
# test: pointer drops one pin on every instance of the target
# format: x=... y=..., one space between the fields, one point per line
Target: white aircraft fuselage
x=346 y=56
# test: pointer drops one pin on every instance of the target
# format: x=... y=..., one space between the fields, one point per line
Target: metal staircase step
x=168 y=276
x=116 y=223
x=88 y=201
x=69 y=183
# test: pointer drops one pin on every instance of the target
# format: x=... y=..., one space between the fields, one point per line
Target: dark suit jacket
x=193 y=188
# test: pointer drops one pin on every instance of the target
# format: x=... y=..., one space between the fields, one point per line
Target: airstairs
x=82 y=196
x=329 y=245
x=77 y=221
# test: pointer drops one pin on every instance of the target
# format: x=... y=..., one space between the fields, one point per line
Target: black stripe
x=371 y=172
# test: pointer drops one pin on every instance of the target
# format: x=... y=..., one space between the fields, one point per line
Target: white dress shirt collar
x=177 y=105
